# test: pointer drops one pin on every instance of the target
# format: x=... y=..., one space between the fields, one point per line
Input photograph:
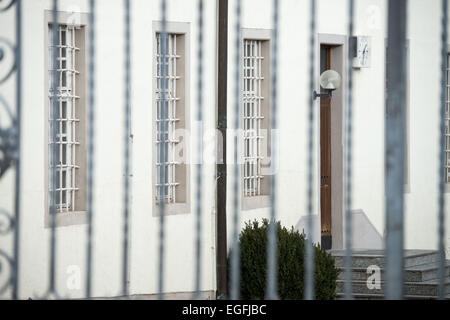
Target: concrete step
x=373 y=296
x=417 y=273
x=426 y=288
x=365 y=258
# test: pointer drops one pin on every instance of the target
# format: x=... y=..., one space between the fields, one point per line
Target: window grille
x=252 y=100
x=66 y=138
x=170 y=103
x=447 y=123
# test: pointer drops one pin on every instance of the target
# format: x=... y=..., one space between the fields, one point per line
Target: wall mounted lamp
x=330 y=80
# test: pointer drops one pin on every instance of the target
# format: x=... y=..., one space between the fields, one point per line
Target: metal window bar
x=64 y=92
x=252 y=100
x=169 y=117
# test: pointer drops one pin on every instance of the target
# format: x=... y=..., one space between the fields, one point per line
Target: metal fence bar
x=55 y=154
x=162 y=146
x=235 y=255
x=15 y=274
x=272 y=263
x=395 y=147
x=394 y=152
x=309 y=270
x=348 y=164
x=91 y=149
x=127 y=133
x=199 y=152
x=442 y=155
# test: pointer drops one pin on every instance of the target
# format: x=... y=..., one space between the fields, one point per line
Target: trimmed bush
x=291 y=253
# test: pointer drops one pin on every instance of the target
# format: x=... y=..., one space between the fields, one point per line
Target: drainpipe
x=221 y=166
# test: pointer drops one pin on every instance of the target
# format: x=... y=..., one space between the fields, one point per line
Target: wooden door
x=325 y=157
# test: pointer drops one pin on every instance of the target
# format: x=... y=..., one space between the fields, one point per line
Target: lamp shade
x=330 y=80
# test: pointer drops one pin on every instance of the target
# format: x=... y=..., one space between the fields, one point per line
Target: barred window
x=169 y=117
x=68 y=129
x=171 y=114
x=253 y=97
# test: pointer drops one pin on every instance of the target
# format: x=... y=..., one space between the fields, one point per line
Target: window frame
x=179 y=28
x=265 y=35
x=77 y=217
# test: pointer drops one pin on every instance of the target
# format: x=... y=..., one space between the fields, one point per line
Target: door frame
x=339 y=59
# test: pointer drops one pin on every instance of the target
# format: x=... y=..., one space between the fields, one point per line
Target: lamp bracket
x=322 y=95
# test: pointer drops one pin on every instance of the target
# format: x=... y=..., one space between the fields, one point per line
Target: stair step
x=365 y=258
x=374 y=296
x=426 y=288
x=417 y=273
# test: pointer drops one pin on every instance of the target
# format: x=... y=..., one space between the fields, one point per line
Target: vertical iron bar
x=162 y=146
x=55 y=153
x=235 y=257
x=199 y=152
x=272 y=263
x=91 y=139
x=395 y=147
x=442 y=155
x=309 y=274
x=348 y=164
x=127 y=134
x=15 y=293
x=221 y=167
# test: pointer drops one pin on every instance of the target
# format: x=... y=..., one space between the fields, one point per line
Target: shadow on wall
x=365 y=235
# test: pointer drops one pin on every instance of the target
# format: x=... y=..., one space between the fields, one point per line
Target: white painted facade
x=368 y=140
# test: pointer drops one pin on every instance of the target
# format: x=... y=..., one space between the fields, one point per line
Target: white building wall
x=368 y=139
x=109 y=154
x=368 y=116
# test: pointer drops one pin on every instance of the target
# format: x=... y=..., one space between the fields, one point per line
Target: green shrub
x=291 y=253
